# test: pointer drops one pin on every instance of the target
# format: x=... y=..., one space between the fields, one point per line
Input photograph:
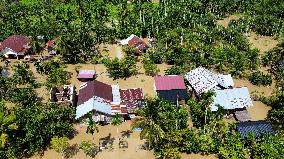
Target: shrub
x=258 y=78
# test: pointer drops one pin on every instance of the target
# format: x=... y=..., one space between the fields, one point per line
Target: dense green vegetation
x=186 y=30
x=28 y=126
x=187 y=36
x=165 y=126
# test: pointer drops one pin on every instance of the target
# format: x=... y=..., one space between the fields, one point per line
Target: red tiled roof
x=130 y=97
x=135 y=40
x=169 y=82
x=51 y=43
x=16 y=43
x=95 y=88
x=119 y=110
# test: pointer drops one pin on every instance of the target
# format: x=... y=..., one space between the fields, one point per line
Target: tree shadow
x=71 y=151
x=73 y=134
x=106 y=140
x=126 y=133
x=94 y=151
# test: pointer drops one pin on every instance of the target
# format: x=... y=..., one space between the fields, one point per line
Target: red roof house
x=15 y=45
x=171 y=88
x=106 y=99
x=135 y=42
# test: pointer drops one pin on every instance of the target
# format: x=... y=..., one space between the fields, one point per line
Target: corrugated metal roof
x=169 y=82
x=257 y=127
x=202 y=80
x=95 y=88
x=115 y=94
x=130 y=97
x=86 y=74
x=231 y=98
x=94 y=103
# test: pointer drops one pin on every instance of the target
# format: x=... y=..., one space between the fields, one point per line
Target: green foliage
x=116 y=120
x=232 y=146
x=120 y=68
x=48 y=66
x=57 y=78
x=92 y=125
x=159 y=122
x=8 y=124
x=149 y=66
x=200 y=111
x=258 y=78
x=268 y=146
x=89 y=148
x=59 y=144
x=23 y=75
x=175 y=70
x=129 y=50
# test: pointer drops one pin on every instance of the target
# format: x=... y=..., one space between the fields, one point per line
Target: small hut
x=86 y=75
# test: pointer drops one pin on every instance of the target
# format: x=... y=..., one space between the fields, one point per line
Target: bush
x=120 y=68
x=258 y=78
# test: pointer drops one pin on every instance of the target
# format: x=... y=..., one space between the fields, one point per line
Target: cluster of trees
x=165 y=127
x=121 y=68
x=55 y=71
x=186 y=30
x=259 y=78
x=150 y=67
x=28 y=125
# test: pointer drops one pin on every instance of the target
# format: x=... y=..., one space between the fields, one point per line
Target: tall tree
x=91 y=126
x=116 y=121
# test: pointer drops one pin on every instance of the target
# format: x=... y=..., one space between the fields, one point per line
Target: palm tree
x=92 y=126
x=116 y=121
x=147 y=121
x=7 y=124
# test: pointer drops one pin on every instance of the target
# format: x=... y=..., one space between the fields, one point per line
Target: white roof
x=115 y=94
x=231 y=98
x=125 y=41
x=94 y=103
x=202 y=80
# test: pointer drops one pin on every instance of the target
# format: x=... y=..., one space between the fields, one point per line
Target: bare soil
x=263 y=43
x=225 y=22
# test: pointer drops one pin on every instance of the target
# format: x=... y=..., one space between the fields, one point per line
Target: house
x=258 y=128
x=135 y=42
x=202 y=80
x=171 y=88
x=15 y=46
x=85 y=75
x=230 y=99
x=106 y=100
x=51 y=47
x=67 y=94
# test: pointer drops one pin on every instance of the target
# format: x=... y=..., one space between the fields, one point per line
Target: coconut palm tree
x=116 y=121
x=147 y=121
x=92 y=126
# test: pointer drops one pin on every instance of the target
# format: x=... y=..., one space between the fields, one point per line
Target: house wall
x=6 y=52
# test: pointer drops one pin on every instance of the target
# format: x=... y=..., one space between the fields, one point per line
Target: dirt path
x=225 y=22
